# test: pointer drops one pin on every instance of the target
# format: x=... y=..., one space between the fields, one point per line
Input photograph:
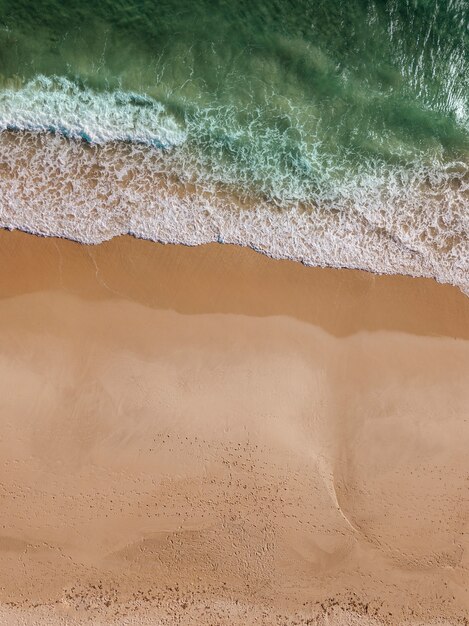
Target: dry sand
x=208 y=436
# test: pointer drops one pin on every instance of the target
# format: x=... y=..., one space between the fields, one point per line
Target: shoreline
x=102 y=191
x=236 y=245
x=297 y=280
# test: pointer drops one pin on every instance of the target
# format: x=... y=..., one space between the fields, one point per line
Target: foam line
x=56 y=186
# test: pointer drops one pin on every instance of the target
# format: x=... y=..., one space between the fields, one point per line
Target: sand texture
x=207 y=436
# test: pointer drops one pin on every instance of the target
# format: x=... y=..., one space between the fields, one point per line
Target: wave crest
x=57 y=104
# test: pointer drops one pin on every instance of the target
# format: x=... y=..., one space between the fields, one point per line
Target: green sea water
x=289 y=98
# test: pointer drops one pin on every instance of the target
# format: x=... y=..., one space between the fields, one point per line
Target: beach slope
x=209 y=436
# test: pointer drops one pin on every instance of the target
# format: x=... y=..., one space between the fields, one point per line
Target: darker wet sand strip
x=216 y=278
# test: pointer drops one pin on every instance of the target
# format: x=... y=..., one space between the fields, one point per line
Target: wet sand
x=209 y=436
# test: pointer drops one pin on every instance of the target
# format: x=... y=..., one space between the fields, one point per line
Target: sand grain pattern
x=208 y=436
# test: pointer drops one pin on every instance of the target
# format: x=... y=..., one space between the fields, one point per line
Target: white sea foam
x=57 y=104
x=402 y=223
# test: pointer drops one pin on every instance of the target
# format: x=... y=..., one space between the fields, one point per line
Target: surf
x=334 y=134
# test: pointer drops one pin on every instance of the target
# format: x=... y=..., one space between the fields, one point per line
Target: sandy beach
x=209 y=436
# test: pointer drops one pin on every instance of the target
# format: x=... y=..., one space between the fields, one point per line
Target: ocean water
x=328 y=131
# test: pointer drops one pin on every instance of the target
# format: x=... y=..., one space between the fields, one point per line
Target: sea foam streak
x=56 y=104
x=410 y=222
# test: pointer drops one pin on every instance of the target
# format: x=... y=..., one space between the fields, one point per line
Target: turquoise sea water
x=319 y=102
